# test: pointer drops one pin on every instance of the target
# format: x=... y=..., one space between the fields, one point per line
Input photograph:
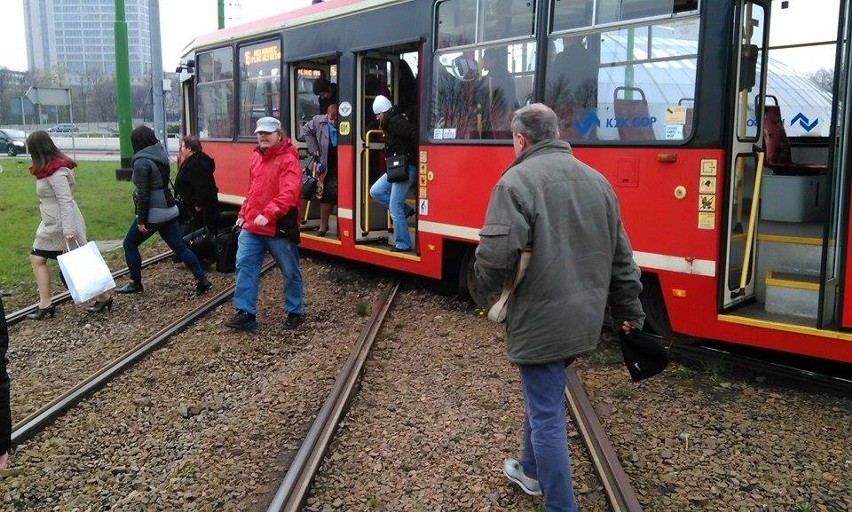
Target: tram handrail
x=752 y=219
x=365 y=228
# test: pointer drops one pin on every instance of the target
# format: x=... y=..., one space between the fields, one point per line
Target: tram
x=729 y=157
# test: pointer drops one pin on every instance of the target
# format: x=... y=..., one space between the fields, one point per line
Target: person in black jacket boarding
x=156 y=211
x=400 y=139
x=567 y=215
x=196 y=185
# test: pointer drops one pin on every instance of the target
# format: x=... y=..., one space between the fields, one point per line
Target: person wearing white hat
x=400 y=139
x=269 y=221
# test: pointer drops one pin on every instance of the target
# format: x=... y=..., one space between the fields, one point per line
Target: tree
x=824 y=79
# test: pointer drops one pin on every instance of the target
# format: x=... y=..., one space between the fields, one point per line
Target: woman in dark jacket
x=400 y=139
x=156 y=211
x=196 y=185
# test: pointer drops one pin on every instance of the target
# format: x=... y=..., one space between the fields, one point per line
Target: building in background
x=79 y=35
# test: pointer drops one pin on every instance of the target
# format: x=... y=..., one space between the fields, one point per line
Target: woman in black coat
x=196 y=185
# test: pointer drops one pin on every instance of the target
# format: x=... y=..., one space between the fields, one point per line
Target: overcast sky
x=180 y=22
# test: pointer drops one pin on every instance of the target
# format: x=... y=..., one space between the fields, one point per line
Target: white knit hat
x=268 y=125
x=381 y=105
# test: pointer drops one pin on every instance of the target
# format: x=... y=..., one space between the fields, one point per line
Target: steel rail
x=615 y=481
x=294 y=487
x=831 y=383
x=37 y=421
x=17 y=316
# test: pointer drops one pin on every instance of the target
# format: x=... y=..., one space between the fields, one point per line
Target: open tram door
x=784 y=219
x=390 y=72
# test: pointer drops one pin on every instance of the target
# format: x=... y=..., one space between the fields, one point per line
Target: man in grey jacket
x=567 y=215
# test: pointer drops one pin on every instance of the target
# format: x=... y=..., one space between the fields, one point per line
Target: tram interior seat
x=778 y=153
x=633 y=112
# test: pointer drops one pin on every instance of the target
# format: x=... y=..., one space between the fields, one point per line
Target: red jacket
x=274 y=186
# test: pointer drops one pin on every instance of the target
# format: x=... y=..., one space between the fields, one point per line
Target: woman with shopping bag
x=62 y=224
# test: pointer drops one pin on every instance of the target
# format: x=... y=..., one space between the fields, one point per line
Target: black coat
x=196 y=185
x=400 y=135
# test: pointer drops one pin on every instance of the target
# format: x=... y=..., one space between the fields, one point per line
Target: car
x=63 y=128
x=13 y=142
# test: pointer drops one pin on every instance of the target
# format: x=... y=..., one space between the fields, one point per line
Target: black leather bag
x=396 y=167
x=644 y=354
x=288 y=226
x=201 y=243
x=309 y=183
x=226 y=250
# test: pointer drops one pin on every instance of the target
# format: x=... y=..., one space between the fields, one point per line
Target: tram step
x=786 y=253
x=792 y=294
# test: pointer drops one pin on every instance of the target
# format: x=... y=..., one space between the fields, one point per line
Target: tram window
x=215 y=94
x=260 y=84
x=475 y=91
x=497 y=19
x=570 y=14
x=653 y=67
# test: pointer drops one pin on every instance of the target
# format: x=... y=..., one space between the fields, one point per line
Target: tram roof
x=289 y=19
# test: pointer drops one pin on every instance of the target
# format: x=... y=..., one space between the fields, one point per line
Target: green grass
x=106 y=204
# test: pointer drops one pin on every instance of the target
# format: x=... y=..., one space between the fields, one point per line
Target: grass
x=106 y=204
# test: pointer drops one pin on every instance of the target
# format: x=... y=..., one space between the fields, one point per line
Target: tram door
x=738 y=283
x=379 y=72
x=833 y=296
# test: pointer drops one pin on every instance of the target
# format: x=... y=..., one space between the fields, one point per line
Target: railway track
x=19 y=315
x=836 y=383
x=296 y=484
x=43 y=417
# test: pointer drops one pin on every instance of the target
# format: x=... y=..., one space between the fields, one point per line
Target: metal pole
x=71 y=120
x=157 y=73
x=221 y=14
x=23 y=118
x=122 y=89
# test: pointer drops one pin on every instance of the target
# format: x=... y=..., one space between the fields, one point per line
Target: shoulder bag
x=396 y=167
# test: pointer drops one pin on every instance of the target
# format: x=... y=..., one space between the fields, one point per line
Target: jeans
x=392 y=196
x=170 y=232
x=544 y=455
x=250 y=253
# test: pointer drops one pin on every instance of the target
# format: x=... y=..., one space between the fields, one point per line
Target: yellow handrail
x=365 y=178
x=752 y=220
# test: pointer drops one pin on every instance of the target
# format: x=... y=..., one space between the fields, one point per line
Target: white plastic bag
x=86 y=273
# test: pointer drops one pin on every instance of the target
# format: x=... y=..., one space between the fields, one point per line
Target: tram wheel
x=466 y=274
x=656 y=316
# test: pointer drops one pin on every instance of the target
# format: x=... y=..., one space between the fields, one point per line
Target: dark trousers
x=170 y=232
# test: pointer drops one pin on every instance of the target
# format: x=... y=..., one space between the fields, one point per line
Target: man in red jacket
x=269 y=221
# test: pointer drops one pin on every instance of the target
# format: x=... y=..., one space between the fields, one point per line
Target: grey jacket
x=152 y=197
x=567 y=214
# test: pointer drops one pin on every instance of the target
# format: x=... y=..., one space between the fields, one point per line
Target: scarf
x=51 y=167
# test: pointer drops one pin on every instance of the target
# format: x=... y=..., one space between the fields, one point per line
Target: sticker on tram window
x=674 y=131
x=345 y=109
x=422 y=206
x=444 y=133
x=706 y=220
x=344 y=128
x=675 y=115
x=707 y=203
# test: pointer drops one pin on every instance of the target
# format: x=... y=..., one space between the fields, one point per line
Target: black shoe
x=202 y=286
x=242 y=321
x=293 y=321
x=131 y=287
x=99 y=306
x=40 y=313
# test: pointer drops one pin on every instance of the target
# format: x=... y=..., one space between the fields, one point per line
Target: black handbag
x=644 y=354
x=288 y=226
x=396 y=167
x=201 y=243
x=309 y=182
x=226 y=249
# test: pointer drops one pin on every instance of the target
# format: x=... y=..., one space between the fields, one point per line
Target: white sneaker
x=514 y=472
